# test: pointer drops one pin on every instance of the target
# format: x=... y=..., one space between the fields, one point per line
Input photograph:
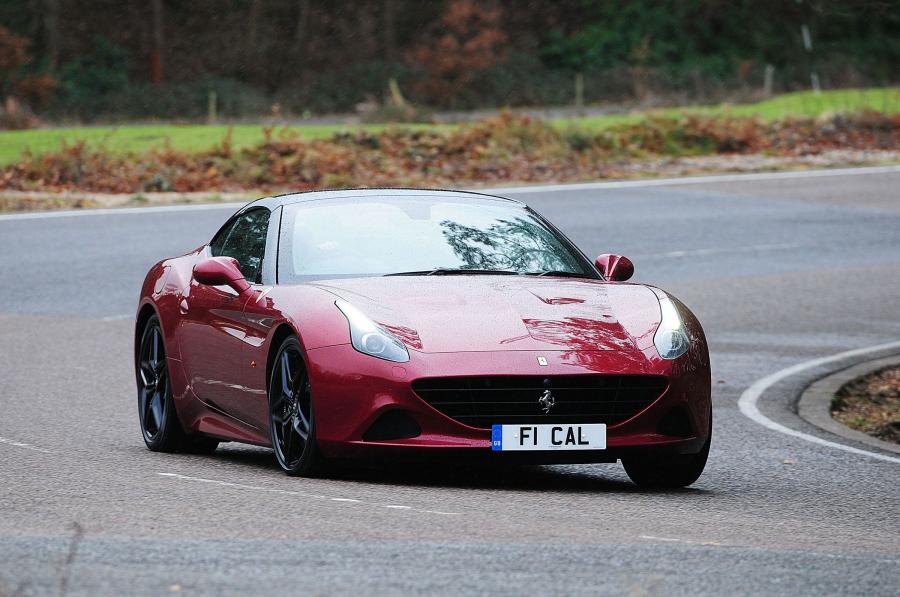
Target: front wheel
x=668 y=471
x=292 y=422
x=160 y=426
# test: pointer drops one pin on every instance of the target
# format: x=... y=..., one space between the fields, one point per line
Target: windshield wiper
x=557 y=273
x=446 y=271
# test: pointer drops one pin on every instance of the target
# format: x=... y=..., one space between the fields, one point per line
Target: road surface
x=780 y=270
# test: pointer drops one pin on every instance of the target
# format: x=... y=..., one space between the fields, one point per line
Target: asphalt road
x=779 y=271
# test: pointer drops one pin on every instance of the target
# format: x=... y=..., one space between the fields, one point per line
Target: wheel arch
x=281 y=332
x=144 y=314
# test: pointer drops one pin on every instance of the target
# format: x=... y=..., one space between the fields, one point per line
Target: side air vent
x=395 y=424
x=676 y=422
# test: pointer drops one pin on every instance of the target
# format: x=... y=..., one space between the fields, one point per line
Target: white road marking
x=27 y=446
x=585 y=186
x=700 y=252
x=120 y=317
x=108 y=211
x=241 y=486
x=716 y=178
x=672 y=540
x=748 y=400
x=301 y=494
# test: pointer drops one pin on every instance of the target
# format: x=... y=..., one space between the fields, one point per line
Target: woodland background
x=121 y=60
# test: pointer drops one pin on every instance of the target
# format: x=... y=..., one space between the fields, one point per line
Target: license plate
x=548 y=437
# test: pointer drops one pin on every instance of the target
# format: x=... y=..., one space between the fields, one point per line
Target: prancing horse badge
x=546 y=401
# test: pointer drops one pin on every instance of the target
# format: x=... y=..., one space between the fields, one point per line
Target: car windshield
x=415 y=235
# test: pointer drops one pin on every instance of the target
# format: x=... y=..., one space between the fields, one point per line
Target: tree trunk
x=158 y=43
x=253 y=28
x=252 y=49
x=390 y=34
x=301 y=31
x=301 y=41
x=51 y=33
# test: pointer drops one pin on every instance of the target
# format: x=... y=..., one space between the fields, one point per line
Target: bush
x=188 y=101
x=340 y=91
x=96 y=85
x=88 y=82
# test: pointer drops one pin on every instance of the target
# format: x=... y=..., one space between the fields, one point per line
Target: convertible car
x=388 y=323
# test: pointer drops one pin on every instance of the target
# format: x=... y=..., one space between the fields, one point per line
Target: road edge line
x=686 y=180
x=112 y=211
x=748 y=402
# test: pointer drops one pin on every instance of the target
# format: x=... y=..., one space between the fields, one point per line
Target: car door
x=214 y=328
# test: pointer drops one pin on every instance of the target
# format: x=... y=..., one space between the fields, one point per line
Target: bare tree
x=50 y=26
x=252 y=51
x=158 y=42
x=253 y=25
x=389 y=29
x=301 y=31
x=301 y=40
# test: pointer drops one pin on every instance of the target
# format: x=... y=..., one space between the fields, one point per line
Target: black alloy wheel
x=291 y=416
x=160 y=426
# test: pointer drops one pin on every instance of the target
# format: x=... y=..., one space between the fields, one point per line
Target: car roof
x=424 y=194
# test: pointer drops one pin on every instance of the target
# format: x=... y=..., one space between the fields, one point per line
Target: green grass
x=803 y=103
x=138 y=138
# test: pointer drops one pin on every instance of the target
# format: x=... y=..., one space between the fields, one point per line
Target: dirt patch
x=871 y=404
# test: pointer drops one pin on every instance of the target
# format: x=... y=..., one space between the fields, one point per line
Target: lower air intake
x=394 y=424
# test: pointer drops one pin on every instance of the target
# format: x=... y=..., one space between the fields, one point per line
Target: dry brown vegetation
x=503 y=148
x=871 y=404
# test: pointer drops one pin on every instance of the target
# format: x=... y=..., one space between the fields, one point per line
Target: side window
x=245 y=240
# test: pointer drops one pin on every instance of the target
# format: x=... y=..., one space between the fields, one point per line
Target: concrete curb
x=814 y=405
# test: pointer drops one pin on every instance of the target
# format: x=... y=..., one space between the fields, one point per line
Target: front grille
x=485 y=401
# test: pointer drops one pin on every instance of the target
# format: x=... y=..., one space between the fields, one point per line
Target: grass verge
x=871 y=404
x=119 y=140
x=497 y=150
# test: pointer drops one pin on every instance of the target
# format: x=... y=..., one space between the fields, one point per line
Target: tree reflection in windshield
x=515 y=244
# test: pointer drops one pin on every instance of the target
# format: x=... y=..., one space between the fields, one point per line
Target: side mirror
x=616 y=268
x=221 y=271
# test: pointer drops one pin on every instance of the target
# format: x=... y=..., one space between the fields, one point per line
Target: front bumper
x=351 y=391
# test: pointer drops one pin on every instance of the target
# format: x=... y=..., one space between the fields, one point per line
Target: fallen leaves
x=502 y=148
x=871 y=404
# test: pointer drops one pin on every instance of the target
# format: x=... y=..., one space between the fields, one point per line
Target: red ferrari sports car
x=381 y=323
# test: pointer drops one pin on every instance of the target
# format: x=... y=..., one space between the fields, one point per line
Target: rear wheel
x=668 y=470
x=292 y=421
x=160 y=426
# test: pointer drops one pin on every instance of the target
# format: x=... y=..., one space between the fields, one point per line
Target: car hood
x=491 y=313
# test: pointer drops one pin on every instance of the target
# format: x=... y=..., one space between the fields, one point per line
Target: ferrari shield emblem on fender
x=542 y=361
x=546 y=401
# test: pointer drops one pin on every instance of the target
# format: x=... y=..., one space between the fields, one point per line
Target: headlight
x=370 y=338
x=671 y=340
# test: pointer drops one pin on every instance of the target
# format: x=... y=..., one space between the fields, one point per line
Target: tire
x=292 y=422
x=160 y=427
x=666 y=470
